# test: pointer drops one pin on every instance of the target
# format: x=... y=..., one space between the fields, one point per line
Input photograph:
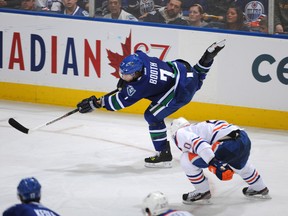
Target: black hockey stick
x=25 y=130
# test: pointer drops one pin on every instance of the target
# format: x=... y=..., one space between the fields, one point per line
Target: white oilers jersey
x=198 y=138
x=212 y=130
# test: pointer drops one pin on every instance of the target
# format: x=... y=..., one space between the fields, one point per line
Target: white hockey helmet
x=176 y=124
x=156 y=203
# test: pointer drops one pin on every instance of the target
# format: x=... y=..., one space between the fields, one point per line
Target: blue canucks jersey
x=165 y=83
x=79 y=12
x=168 y=85
x=30 y=209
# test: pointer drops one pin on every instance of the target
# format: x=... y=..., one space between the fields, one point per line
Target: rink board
x=58 y=60
x=194 y=110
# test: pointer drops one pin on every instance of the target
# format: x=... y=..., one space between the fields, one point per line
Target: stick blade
x=18 y=126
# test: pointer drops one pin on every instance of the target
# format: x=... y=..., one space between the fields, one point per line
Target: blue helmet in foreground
x=131 y=64
x=29 y=189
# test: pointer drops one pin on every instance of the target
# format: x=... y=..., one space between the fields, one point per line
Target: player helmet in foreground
x=155 y=203
x=130 y=65
x=176 y=124
x=29 y=189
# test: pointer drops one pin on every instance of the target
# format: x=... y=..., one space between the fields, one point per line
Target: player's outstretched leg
x=262 y=194
x=195 y=195
x=162 y=159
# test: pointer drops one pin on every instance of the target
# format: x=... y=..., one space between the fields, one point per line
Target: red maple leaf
x=115 y=58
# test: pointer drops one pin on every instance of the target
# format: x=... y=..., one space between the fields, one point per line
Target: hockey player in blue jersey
x=156 y=204
x=221 y=147
x=168 y=85
x=29 y=193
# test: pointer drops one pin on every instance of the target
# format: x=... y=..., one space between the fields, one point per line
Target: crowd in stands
x=242 y=15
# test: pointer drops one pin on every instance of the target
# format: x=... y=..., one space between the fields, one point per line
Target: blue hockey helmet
x=131 y=64
x=29 y=189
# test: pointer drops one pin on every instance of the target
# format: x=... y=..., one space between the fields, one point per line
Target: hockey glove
x=223 y=172
x=121 y=84
x=89 y=104
x=211 y=52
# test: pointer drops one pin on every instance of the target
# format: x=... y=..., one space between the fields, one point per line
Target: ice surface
x=92 y=164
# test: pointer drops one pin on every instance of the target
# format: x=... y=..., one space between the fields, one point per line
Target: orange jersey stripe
x=196 y=142
x=215 y=146
x=220 y=126
x=191 y=156
x=251 y=179
x=195 y=179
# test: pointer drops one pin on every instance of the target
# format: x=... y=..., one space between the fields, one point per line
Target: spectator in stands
x=281 y=16
x=140 y=7
x=160 y=3
x=196 y=16
x=186 y=4
x=116 y=11
x=14 y=4
x=101 y=8
x=170 y=14
x=263 y=24
x=71 y=8
x=253 y=10
x=28 y=5
x=216 y=10
x=29 y=193
x=234 y=20
x=55 y=6
x=41 y=5
x=83 y=4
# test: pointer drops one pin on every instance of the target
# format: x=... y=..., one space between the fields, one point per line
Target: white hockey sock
x=252 y=177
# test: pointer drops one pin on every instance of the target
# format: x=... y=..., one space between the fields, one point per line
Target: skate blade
x=167 y=164
x=216 y=44
x=260 y=197
x=198 y=202
x=221 y=43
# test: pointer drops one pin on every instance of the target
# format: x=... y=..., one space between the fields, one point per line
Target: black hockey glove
x=223 y=172
x=121 y=84
x=211 y=52
x=89 y=104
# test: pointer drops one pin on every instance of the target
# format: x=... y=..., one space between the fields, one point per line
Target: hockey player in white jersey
x=221 y=147
x=156 y=204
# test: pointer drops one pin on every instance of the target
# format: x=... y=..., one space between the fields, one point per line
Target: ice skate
x=262 y=194
x=196 y=197
x=207 y=58
x=216 y=47
x=162 y=159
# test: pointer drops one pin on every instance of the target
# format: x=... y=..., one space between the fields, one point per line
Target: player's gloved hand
x=89 y=104
x=211 y=52
x=121 y=84
x=223 y=172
